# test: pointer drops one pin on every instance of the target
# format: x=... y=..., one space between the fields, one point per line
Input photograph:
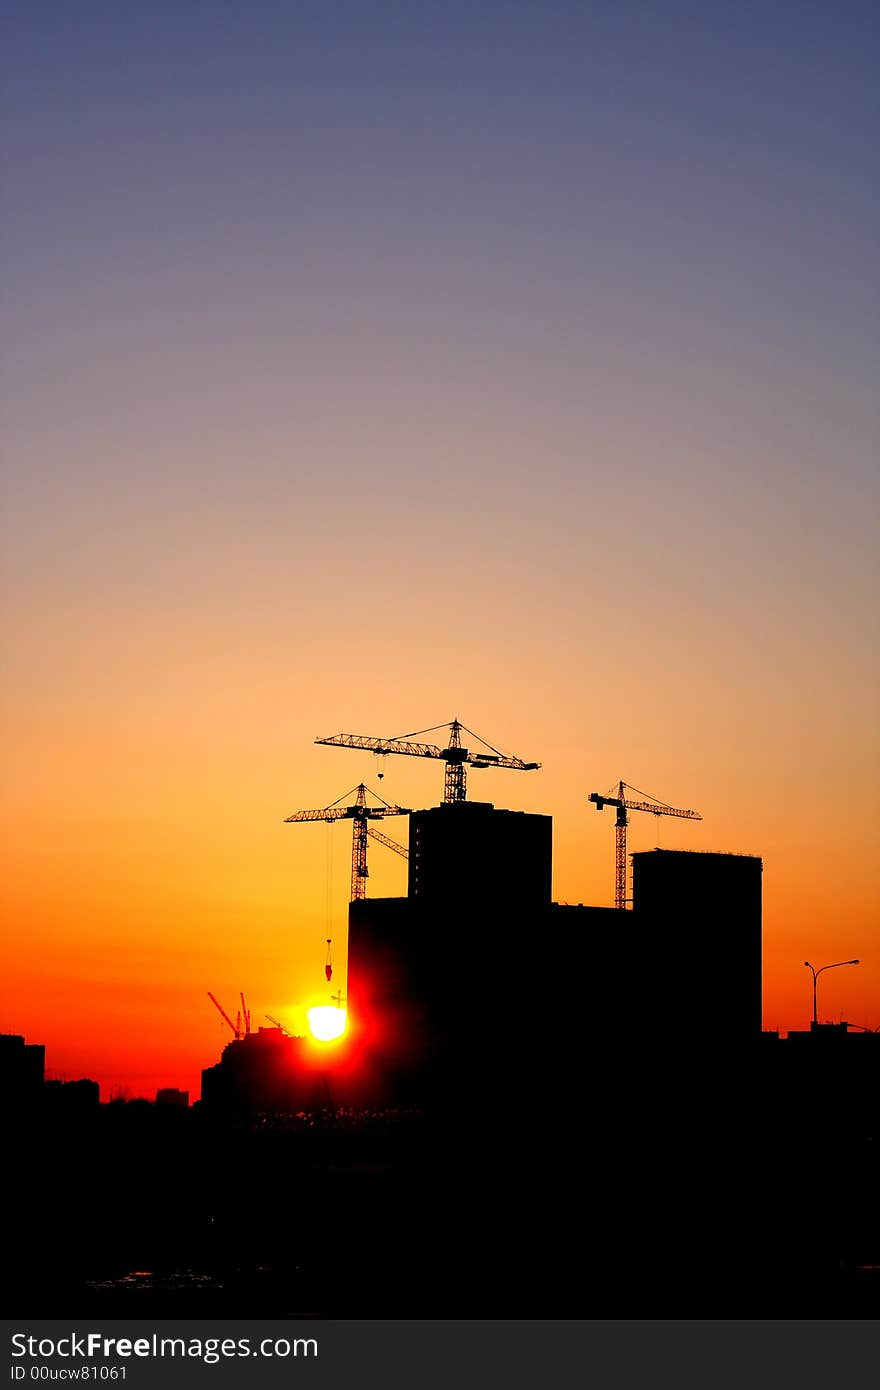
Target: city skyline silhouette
x=681 y=1157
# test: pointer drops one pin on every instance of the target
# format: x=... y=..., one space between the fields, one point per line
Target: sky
x=374 y=364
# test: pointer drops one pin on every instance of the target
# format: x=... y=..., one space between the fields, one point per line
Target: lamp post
x=817 y=973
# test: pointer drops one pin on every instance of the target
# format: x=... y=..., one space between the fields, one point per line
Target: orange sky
x=368 y=374
x=148 y=862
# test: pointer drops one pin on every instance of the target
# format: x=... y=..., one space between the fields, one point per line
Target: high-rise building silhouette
x=468 y=854
x=697 y=919
x=477 y=974
x=458 y=986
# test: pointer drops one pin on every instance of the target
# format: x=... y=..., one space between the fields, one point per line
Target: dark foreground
x=727 y=1193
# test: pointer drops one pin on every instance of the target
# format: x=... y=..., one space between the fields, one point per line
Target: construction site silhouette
x=481 y=1146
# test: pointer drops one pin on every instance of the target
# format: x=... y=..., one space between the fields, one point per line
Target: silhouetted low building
x=830 y=1073
x=22 y=1067
x=268 y=1071
x=170 y=1095
x=71 y=1097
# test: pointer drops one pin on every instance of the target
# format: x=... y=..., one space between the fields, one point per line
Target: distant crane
x=278 y=1024
x=242 y=1026
x=360 y=815
x=456 y=757
x=624 y=804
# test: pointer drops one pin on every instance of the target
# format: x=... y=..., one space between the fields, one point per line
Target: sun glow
x=326 y=1022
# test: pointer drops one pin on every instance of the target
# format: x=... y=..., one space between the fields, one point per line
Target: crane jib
x=456 y=757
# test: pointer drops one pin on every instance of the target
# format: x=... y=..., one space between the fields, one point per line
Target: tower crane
x=456 y=757
x=624 y=804
x=360 y=815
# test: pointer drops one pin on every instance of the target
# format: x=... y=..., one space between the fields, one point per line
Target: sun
x=326 y=1022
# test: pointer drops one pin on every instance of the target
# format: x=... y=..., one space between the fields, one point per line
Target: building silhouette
x=69 y=1098
x=170 y=1095
x=457 y=991
x=697 y=921
x=22 y=1068
x=477 y=974
x=267 y=1070
x=467 y=853
x=476 y=985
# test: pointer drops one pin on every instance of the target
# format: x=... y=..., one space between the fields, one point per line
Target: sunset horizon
x=322 y=856
x=372 y=370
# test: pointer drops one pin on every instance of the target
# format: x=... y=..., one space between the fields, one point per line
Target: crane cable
x=328 y=875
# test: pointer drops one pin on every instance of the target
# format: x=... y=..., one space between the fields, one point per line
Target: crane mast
x=360 y=815
x=624 y=804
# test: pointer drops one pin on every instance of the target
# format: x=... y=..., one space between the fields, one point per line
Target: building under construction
x=266 y=1070
x=468 y=854
x=476 y=975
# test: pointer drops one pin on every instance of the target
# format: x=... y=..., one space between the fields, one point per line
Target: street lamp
x=817 y=973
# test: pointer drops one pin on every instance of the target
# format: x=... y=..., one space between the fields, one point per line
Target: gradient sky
x=369 y=364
